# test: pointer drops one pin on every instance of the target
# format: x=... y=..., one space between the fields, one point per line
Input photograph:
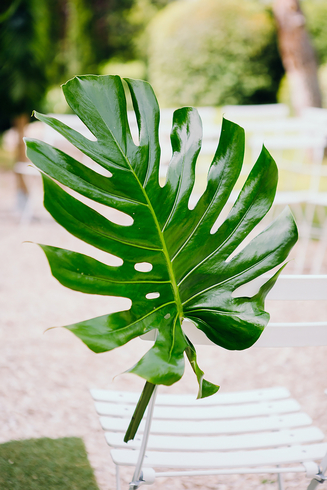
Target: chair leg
x=280 y=482
x=320 y=477
x=313 y=484
x=320 y=253
x=117 y=478
x=136 y=477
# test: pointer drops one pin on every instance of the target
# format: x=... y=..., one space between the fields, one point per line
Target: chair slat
x=290 y=288
x=293 y=335
x=202 y=460
x=275 y=335
x=220 y=443
x=221 y=398
x=203 y=412
x=234 y=426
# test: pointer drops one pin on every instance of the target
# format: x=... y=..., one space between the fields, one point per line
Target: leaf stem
x=139 y=411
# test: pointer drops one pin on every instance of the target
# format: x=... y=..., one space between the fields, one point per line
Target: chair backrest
x=297 y=144
x=291 y=288
x=299 y=157
x=237 y=113
x=316 y=114
x=298 y=147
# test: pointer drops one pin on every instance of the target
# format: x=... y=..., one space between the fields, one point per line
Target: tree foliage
x=206 y=52
x=25 y=47
x=316 y=17
x=45 y=42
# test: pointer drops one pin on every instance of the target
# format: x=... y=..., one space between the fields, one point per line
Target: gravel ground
x=46 y=377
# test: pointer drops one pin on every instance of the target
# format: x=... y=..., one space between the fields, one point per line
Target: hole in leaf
x=152 y=295
x=143 y=267
x=96 y=167
x=166 y=317
x=133 y=123
x=113 y=215
x=120 y=218
x=96 y=253
x=215 y=226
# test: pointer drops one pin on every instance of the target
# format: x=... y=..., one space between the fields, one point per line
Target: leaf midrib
x=113 y=332
x=160 y=233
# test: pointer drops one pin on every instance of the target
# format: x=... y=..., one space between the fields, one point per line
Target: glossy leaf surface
x=190 y=272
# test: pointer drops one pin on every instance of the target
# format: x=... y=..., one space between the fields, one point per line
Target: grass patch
x=45 y=464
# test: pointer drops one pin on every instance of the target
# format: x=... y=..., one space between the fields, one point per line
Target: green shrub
x=209 y=52
x=316 y=17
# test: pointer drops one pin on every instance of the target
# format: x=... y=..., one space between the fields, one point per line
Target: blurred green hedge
x=316 y=18
x=209 y=52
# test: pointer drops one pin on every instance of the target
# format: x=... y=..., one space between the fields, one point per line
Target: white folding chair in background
x=315 y=114
x=299 y=155
x=297 y=144
x=28 y=173
x=319 y=200
x=25 y=197
x=239 y=113
x=211 y=130
x=250 y=432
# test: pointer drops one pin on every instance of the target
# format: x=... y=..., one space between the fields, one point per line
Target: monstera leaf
x=190 y=270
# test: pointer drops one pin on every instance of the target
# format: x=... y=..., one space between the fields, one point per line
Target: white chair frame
x=306 y=142
x=258 y=431
x=257 y=111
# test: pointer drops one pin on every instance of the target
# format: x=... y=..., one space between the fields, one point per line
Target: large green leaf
x=192 y=273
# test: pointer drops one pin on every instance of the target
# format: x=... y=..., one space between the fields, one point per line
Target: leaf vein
x=223 y=243
x=230 y=277
x=143 y=317
x=199 y=222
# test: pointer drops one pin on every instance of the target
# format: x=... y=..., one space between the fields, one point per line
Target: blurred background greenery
x=193 y=52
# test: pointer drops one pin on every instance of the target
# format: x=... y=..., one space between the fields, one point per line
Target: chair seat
x=206 y=413
x=262 y=439
x=220 y=460
x=247 y=396
x=257 y=428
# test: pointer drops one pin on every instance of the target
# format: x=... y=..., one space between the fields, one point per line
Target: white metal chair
x=299 y=153
x=298 y=146
x=315 y=114
x=259 y=431
x=237 y=113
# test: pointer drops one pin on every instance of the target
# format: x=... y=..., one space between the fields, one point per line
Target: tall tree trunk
x=297 y=54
